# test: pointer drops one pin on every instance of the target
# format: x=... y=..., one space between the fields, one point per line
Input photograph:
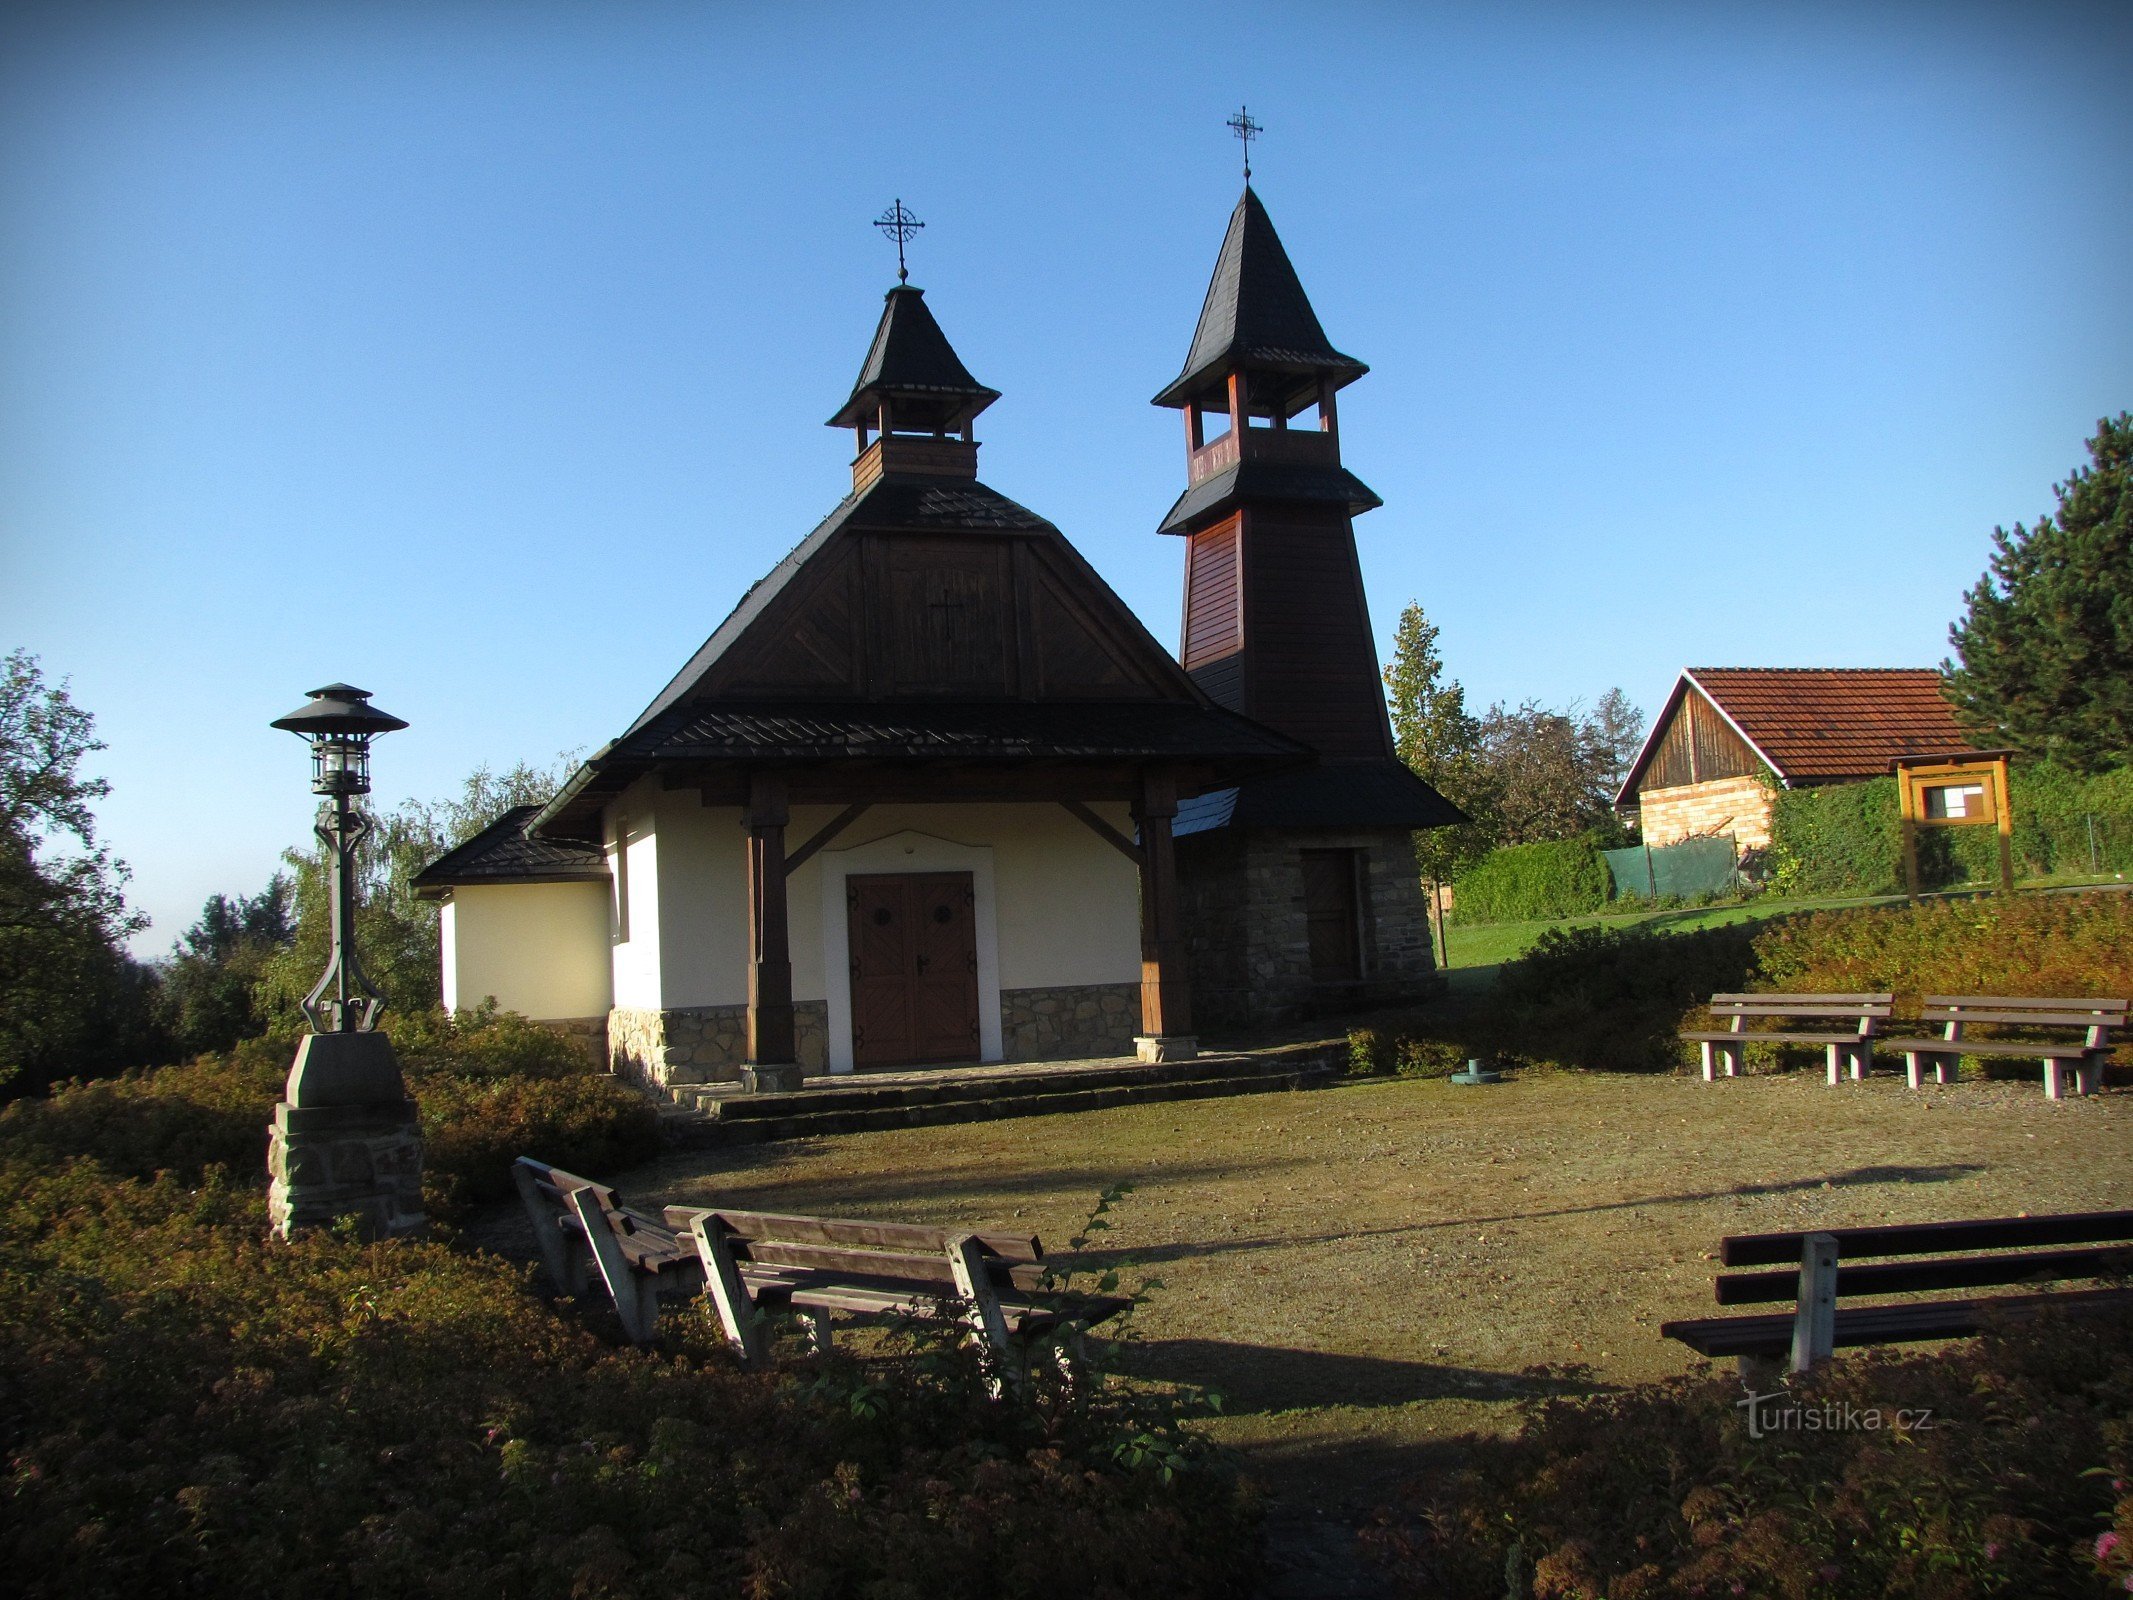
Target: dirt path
x=1367 y=1270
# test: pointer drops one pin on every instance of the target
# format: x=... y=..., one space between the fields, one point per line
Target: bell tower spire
x=915 y=401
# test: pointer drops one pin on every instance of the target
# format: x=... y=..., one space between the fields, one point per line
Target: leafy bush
x=2015 y=1484
x=1370 y=1052
x=491 y=1087
x=2026 y=944
x=1614 y=998
x=1847 y=838
x=1428 y=1058
x=1839 y=838
x=1525 y=882
x=192 y=1409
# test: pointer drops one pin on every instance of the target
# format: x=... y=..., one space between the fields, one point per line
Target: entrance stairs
x=711 y=1115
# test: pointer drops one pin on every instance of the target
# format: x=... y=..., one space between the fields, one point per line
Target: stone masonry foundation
x=703 y=1044
x=1070 y=1022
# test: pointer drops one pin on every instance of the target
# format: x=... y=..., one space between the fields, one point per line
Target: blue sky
x=478 y=353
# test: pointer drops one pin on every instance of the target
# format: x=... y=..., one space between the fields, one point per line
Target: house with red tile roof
x=1728 y=735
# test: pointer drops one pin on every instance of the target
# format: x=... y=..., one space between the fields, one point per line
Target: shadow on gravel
x=1857 y=1177
x=1255 y=1379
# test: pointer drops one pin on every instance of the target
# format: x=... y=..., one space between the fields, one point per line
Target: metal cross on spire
x=902 y=226
x=1246 y=127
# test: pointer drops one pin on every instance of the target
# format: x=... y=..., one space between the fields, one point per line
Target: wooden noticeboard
x=1954 y=791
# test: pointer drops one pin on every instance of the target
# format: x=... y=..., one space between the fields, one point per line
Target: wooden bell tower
x=1301 y=889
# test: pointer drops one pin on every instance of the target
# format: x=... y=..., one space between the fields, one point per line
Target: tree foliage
x=1440 y=740
x=2045 y=646
x=71 y=999
x=212 y=982
x=1526 y=774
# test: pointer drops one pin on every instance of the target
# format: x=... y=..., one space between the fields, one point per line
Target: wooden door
x=914 y=953
x=1333 y=915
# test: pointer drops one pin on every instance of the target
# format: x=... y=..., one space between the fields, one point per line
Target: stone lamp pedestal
x=345 y=1141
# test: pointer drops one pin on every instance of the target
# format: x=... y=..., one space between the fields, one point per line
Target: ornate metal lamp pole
x=345 y=1139
x=339 y=721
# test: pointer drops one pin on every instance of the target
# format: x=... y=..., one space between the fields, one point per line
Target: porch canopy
x=766 y=757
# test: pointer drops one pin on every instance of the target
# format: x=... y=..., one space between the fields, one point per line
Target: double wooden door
x=914 y=953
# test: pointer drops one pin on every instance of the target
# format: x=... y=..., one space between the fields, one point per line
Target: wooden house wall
x=1698 y=745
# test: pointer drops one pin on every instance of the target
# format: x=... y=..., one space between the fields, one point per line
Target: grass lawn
x=1367 y=1269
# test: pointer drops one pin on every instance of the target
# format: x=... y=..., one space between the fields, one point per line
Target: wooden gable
x=894 y=614
x=1694 y=744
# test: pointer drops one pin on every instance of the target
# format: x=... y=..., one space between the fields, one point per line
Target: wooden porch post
x=1166 y=993
x=771 y=1061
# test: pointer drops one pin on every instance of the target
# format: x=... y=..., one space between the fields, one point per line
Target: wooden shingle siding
x=1314 y=671
x=1697 y=747
x=1214 y=610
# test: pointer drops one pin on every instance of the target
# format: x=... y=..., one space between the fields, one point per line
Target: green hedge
x=1846 y=838
x=1526 y=882
x=1614 y=997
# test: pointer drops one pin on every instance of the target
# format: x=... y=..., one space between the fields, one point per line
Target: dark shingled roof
x=503 y=852
x=1339 y=795
x=983 y=731
x=1257 y=315
x=917 y=504
x=1263 y=481
x=945 y=731
x=910 y=356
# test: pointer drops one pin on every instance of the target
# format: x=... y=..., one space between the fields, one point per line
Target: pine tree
x=1441 y=743
x=2046 y=644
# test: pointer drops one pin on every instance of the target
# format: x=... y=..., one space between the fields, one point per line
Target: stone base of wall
x=703 y=1044
x=1737 y=806
x=1247 y=940
x=1070 y=1022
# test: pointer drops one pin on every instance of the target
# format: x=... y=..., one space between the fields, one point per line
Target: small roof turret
x=912 y=366
x=1257 y=317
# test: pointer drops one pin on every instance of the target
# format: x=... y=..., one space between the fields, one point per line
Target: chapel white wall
x=538 y=948
x=1067 y=905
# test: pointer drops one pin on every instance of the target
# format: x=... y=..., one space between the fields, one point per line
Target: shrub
x=1847 y=839
x=491 y=1087
x=1525 y=882
x=1660 y=1491
x=1370 y=1052
x=2026 y=944
x=194 y=1410
x=1428 y=1058
x=1614 y=998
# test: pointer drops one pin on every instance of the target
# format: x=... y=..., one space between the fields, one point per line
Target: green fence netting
x=1675 y=871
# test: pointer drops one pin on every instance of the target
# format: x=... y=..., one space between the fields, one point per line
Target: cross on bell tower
x=1247 y=128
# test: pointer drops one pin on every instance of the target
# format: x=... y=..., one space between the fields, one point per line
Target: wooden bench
x=755 y=1262
x=2096 y=1019
x=1854 y=1045
x=1820 y=1269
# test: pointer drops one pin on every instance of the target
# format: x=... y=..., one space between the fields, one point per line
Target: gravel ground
x=1367 y=1270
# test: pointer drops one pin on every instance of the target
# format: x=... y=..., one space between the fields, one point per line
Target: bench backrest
x=2096 y=1016
x=854 y=1247
x=1868 y=1008
x=2014 y=1238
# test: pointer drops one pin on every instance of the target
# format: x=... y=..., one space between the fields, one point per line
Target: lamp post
x=345 y=1140
x=339 y=721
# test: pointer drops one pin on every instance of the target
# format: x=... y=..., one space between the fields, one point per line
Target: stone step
x=696 y=1131
x=958 y=1084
